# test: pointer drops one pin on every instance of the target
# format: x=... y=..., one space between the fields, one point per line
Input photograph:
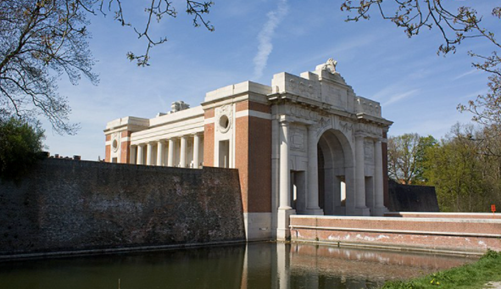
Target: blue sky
x=418 y=90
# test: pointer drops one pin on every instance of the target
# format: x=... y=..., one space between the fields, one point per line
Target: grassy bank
x=470 y=276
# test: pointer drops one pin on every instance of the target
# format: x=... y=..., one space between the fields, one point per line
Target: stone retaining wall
x=69 y=206
x=472 y=236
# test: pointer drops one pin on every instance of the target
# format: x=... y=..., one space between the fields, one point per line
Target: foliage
x=463 y=167
x=406 y=157
x=455 y=171
x=455 y=24
x=20 y=148
x=44 y=39
x=40 y=40
x=475 y=275
x=486 y=109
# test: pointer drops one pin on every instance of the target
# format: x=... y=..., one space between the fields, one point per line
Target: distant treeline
x=464 y=166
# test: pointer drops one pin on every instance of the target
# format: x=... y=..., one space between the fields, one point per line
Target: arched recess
x=335 y=173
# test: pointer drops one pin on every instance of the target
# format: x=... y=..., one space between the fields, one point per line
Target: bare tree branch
x=43 y=38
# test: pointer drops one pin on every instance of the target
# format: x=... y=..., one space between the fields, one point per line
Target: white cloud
x=473 y=95
x=466 y=74
x=400 y=96
x=265 y=37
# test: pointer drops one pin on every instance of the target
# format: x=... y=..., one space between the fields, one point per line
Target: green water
x=257 y=265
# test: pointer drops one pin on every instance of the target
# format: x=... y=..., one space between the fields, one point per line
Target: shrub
x=20 y=148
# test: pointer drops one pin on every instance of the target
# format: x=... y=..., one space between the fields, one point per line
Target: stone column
x=360 y=207
x=312 y=207
x=140 y=154
x=132 y=156
x=284 y=209
x=149 y=154
x=196 y=151
x=380 y=209
x=160 y=153
x=284 y=167
x=182 y=157
x=170 y=154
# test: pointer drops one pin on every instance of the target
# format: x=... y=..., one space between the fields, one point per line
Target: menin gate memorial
x=302 y=145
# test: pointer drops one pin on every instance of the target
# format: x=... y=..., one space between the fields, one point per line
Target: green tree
x=44 y=39
x=457 y=170
x=20 y=148
x=455 y=23
x=406 y=157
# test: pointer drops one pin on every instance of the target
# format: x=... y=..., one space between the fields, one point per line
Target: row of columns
x=360 y=189
x=312 y=195
x=161 y=144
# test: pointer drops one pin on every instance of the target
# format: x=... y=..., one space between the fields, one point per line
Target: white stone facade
x=304 y=145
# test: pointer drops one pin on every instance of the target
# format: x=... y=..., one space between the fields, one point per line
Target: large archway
x=335 y=173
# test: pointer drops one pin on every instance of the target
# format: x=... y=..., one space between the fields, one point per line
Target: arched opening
x=335 y=173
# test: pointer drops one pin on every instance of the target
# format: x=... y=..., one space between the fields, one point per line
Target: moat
x=257 y=265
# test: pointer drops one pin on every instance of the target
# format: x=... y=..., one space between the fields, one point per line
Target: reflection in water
x=258 y=265
x=330 y=267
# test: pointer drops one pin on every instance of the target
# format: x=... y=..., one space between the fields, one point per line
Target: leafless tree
x=455 y=23
x=41 y=40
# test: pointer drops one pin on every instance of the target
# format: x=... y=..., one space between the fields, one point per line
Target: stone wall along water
x=66 y=205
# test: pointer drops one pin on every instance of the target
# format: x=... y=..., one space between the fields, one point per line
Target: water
x=258 y=265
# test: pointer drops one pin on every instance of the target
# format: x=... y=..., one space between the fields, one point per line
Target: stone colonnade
x=184 y=151
x=376 y=201
x=285 y=181
x=363 y=198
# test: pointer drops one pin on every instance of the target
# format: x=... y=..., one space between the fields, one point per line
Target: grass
x=470 y=276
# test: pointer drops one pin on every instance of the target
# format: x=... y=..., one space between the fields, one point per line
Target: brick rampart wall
x=415 y=234
x=409 y=198
x=67 y=205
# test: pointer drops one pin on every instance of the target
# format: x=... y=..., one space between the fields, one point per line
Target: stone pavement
x=493 y=285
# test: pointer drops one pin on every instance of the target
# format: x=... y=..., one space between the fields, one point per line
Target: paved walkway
x=493 y=285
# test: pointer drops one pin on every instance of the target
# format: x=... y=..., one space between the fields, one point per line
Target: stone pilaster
x=133 y=153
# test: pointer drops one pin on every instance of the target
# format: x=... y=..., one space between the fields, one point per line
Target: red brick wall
x=259 y=165
x=255 y=106
x=453 y=235
x=107 y=149
x=242 y=157
x=125 y=148
x=445 y=215
x=253 y=157
x=209 y=139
